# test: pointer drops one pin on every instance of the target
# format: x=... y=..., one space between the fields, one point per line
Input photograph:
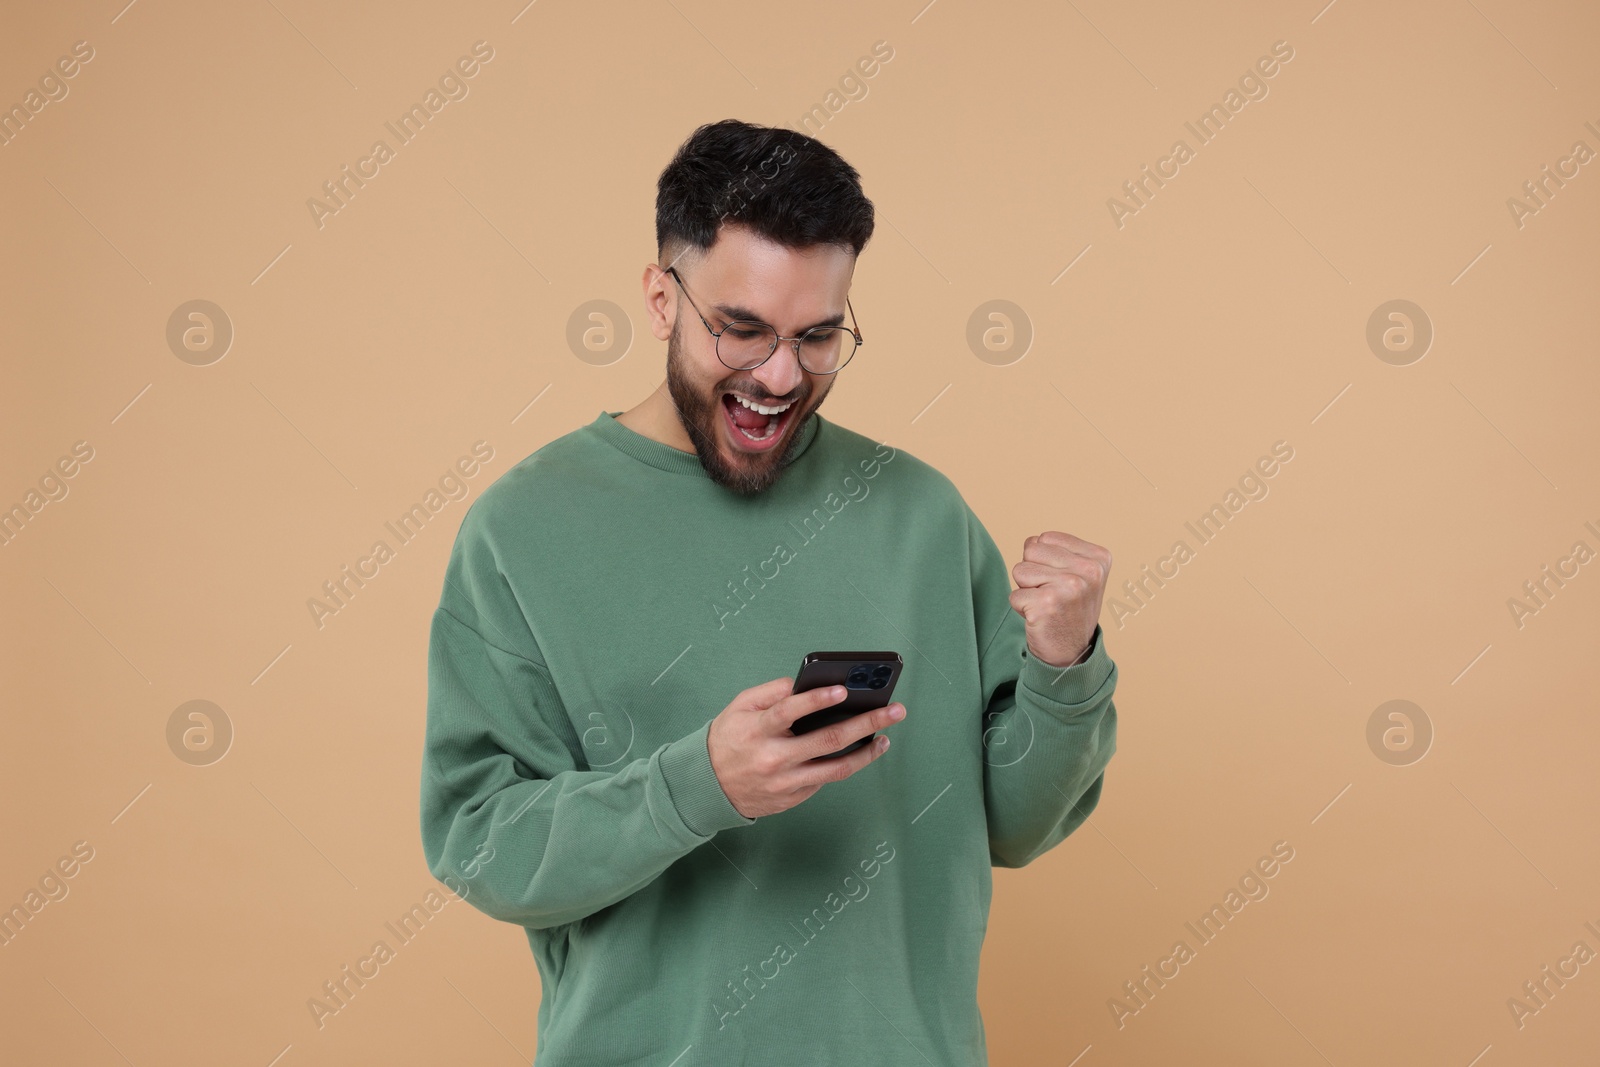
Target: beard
x=700 y=413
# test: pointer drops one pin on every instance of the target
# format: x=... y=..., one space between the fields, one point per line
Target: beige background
x=430 y=312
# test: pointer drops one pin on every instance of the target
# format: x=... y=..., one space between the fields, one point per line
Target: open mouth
x=755 y=427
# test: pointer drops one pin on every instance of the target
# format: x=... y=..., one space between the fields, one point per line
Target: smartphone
x=869 y=677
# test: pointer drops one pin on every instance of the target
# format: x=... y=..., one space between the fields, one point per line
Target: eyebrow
x=735 y=312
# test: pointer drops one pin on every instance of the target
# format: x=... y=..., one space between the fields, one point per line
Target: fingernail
x=883 y=743
x=897 y=712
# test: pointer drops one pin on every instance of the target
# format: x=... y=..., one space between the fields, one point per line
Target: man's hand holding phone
x=765 y=769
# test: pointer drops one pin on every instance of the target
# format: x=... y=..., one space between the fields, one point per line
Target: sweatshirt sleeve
x=1048 y=732
x=513 y=820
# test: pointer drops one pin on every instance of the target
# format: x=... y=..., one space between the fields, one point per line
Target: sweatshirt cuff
x=1067 y=689
x=693 y=786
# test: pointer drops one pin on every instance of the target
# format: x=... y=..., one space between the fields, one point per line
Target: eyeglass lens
x=744 y=345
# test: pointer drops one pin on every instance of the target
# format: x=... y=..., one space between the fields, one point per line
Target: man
x=702 y=886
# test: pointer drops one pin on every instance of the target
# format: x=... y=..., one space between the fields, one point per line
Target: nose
x=781 y=374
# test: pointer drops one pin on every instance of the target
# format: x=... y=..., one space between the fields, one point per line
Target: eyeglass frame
x=855 y=331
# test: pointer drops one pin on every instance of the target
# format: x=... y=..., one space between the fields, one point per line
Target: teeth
x=770 y=430
x=762 y=408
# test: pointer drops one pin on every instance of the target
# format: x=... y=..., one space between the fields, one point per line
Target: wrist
x=1082 y=657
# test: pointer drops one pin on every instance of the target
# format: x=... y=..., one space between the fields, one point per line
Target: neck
x=656 y=417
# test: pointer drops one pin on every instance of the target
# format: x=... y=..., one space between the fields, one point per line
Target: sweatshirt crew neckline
x=664 y=457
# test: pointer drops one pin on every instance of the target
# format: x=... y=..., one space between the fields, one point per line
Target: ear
x=659 y=304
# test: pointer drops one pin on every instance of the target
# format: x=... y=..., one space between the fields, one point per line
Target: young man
x=700 y=886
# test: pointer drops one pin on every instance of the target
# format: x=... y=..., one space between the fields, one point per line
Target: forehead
x=789 y=287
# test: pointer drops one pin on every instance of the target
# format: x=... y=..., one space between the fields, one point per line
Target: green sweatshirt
x=603 y=602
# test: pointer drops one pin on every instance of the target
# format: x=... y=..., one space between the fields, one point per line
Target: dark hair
x=790 y=188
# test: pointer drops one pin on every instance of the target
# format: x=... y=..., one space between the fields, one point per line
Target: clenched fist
x=1060 y=584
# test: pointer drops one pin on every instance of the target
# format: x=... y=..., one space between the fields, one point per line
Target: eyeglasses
x=745 y=344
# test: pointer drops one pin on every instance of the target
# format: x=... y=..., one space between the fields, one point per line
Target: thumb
x=1022 y=599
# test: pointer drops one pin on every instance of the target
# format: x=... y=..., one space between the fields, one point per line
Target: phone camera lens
x=857 y=677
x=882 y=670
x=877 y=683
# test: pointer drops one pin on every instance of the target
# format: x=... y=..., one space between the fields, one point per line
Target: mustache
x=765 y=401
